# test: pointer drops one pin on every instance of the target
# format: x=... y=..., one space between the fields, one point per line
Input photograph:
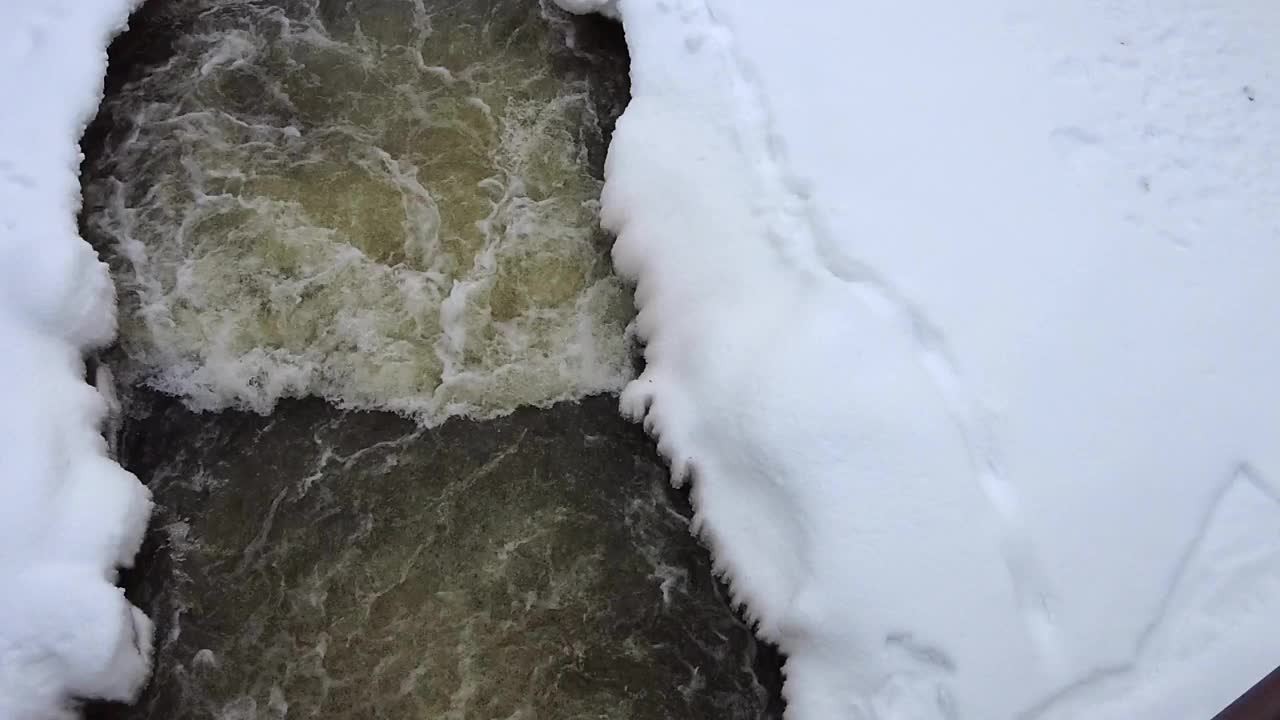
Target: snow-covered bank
x=964 y=320
x=69 y=516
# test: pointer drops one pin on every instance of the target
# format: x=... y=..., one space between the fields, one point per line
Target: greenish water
x=385 y=203
x=319 y=563
x=387 y=209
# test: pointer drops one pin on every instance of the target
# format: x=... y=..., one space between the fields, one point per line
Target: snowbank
x=964 y=320
x=69 y=516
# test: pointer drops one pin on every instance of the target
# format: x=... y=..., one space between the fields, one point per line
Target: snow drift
x=69 y=516
x=964 y=321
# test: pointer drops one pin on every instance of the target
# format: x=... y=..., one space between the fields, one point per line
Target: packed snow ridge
x=69 y=516
x=963 y=319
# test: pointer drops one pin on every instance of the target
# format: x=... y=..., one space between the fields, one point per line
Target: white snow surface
x=69 y=516
x=964 y=319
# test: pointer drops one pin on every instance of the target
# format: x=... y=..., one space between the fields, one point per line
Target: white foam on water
x=382 y=205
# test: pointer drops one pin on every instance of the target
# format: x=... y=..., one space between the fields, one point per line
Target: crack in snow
x=1085 y=691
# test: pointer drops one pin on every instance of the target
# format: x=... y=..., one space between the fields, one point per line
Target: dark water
x=319 y=562
x=316 y=563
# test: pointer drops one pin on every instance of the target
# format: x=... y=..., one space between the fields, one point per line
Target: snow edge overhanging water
x=71 y=516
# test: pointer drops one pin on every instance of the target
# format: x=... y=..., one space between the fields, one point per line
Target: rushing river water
x=385 y=203
x=377 y=206
x=354 y=565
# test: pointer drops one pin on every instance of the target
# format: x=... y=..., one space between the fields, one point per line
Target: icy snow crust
x=963 y=318
x=69 y=516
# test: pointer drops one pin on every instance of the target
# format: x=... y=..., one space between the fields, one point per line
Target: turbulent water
x=322 y=564
x=385 y=203
x=390 y=204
